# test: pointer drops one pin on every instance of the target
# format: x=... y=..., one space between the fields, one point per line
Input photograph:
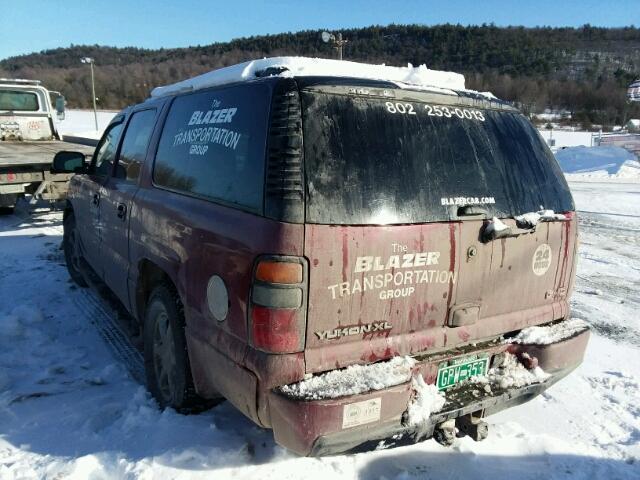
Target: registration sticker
x=360 y=413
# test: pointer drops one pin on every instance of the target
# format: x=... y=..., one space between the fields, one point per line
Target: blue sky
x=34 y=25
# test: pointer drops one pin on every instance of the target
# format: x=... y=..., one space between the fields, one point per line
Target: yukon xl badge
x=355 y=330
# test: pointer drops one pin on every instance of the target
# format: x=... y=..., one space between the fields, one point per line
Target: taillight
x=279 y=272
x=277 y=311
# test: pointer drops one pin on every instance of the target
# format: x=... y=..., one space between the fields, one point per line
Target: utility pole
x=91 y=61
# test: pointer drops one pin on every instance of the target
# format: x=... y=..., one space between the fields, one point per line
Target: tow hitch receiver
x=473 y=426
x=445 y=433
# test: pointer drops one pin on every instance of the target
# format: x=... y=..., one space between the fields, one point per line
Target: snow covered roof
x=404 y=77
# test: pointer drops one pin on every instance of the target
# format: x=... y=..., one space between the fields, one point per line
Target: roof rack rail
x=20 y=81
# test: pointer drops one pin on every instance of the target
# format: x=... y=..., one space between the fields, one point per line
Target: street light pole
x=91 y=61
x=336 y=41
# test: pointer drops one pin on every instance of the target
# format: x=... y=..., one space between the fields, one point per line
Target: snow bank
x=601 y=162
x=428 y=400
x=550 y=334
x=352 y=380
x=412 y=76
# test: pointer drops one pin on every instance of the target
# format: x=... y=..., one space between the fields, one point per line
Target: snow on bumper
x=309 y=425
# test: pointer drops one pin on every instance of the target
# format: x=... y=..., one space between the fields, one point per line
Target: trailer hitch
x=473 y=426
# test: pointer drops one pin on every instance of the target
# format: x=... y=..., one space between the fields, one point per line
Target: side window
x=102 y=162
x=213 y=145
x=134 y=145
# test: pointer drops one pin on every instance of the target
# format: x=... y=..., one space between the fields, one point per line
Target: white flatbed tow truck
x=29 y=140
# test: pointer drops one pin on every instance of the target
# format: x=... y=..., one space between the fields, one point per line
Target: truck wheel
x=8 y=203
x=165 y=352
x=71 y=247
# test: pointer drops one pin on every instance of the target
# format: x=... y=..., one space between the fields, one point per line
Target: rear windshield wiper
x=531 y=219
x=525 y=223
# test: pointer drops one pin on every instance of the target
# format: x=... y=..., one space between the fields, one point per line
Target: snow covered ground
x=81 y=123
x=71 y=407
x=567 y=138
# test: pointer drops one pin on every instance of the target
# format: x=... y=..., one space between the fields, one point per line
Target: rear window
x=213 y=145
x=18 y=101
x=373 y=161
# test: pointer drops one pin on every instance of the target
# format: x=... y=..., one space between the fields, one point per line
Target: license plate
x=455 y=371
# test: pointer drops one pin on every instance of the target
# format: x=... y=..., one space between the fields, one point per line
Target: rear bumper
x=318 y=428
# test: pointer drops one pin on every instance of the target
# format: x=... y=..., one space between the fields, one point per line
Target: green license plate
x=455 y=371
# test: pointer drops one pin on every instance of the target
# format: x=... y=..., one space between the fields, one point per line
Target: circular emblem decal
x=541 y=259
x=217 y=298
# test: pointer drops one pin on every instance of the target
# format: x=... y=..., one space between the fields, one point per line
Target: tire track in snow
x=106 y=321
x=112 y=333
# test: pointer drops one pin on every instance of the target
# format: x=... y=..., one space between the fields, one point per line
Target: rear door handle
x=122 y=210
x=96 y=199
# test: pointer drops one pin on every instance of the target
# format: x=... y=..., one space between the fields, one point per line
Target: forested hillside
x=584 y=71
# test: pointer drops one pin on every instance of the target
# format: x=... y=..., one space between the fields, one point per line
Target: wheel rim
x=164 y=360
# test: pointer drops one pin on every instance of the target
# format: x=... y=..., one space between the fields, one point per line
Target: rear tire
x=8 y=203
x=72 y=252
x=165 y=352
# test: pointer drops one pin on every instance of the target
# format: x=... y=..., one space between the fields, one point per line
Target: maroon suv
x=350 y=262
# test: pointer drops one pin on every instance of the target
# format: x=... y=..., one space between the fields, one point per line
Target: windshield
x=18 y=101
x=374 y=161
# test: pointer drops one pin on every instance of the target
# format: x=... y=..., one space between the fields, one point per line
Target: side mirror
x=60 y=105
x=69 y=162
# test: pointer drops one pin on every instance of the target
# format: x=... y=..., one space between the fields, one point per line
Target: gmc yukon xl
x=352 y=255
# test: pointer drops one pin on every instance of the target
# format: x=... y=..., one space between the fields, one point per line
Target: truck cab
x=26 y=111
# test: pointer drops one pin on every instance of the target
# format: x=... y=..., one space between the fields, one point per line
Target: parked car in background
x=345 y=253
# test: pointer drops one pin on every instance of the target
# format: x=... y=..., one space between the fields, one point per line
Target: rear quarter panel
x=193 y=239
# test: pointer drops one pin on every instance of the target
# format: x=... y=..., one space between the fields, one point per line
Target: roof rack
x=20 y=81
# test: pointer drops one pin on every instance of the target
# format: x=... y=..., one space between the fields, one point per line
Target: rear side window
x=373 y=161
x=134 y=145
x=213 y=145
x=18 y=101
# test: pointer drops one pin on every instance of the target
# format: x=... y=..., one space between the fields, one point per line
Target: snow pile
x=598 y=162
x=550 y=334
x=428 y=400
x=511 y=374
x=531 y=219
x=352 y=380
x=412 y=76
